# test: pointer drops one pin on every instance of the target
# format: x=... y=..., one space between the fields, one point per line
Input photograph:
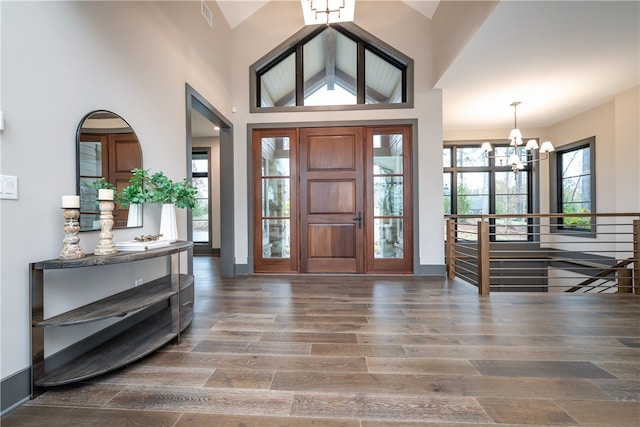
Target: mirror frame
x=119 y=156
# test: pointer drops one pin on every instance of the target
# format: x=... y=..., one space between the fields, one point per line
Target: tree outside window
x=475 y=184
x=575 y=189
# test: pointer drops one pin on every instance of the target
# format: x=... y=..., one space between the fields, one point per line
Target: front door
x=331 y=200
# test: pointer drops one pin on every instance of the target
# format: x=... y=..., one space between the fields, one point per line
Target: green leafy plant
x=138 y=191
x=578 y=223
x=160 y=189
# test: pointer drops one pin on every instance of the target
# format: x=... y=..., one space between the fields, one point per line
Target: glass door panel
x=274 y=227
x=389 y=200
x=275 y=197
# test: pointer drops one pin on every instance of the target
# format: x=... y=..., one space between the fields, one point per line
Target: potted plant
x=138 y=191
x=182 y=194
x=160 y=189
x=135 y=195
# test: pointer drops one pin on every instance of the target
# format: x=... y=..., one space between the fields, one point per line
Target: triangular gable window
x=332 y=66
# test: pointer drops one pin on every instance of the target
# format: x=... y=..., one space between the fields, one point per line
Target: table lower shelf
x=133 y=344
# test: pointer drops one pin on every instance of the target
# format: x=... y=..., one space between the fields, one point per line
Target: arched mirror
x=106 y=147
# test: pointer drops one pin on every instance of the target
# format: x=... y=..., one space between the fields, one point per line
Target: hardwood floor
x=354 y=351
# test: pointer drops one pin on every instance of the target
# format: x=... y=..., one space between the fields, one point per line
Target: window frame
x=364 y=40
x=556 y=192
x=203 y=153
x=492 y=169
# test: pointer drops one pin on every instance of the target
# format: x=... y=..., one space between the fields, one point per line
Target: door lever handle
x=359 y=219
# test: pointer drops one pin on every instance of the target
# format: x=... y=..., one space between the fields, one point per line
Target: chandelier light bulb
x=547 y=147
x=532 y=144
x=486 y=147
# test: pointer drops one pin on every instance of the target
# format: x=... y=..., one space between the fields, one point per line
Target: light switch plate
x=8 y=187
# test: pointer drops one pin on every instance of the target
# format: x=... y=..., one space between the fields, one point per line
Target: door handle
x=359 y=219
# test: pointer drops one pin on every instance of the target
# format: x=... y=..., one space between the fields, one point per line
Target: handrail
x=528 y=253
x=602 y=274
x=548 y=215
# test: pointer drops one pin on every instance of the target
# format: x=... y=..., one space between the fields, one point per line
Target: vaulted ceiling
x=559 y=58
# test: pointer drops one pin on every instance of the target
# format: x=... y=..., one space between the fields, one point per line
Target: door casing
x=366 y=263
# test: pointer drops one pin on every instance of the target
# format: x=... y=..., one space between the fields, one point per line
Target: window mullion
x=360 y=79
x=299 y=75
x=492 y=202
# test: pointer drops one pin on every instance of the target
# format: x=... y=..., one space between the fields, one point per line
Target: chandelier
x=515 y=141
x=327 y=11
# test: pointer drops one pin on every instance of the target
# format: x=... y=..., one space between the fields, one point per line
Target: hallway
x=355 y=351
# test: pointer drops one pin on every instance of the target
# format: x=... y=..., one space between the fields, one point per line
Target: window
x=575 y=185
x=476 y=184
x=327 y=66
x=200 y=179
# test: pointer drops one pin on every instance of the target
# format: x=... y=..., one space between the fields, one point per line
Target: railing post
x=636 y=256
x=483 y=258
x=451 y=248
x=625 y=281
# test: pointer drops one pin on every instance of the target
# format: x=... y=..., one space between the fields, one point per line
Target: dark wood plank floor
x=357 y=351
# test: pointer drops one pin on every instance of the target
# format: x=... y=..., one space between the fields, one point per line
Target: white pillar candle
x=71 y=202
x=105 y=194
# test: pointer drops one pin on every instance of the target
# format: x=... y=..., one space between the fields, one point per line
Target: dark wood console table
x=175 y=289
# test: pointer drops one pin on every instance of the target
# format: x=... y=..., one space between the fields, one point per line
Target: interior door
x=331 y=200
x=124 y=155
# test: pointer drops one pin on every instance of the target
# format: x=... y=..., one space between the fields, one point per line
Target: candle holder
x=71 y=248
x=105 y=245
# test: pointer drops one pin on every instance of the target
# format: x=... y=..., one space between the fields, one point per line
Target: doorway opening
x=200 y=113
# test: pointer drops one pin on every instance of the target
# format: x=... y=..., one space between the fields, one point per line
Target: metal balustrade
x=594 y=252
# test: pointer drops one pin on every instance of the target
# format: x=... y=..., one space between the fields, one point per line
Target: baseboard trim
x=430 y=270
x=242 y=270
x=204 y=250
x=15 y=390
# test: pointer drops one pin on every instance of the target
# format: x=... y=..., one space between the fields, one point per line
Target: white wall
x=252 y=39
x=615 y=126
x=61 y=60
x=627 y=151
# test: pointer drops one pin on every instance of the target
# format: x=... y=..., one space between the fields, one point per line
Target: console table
x=175 y=289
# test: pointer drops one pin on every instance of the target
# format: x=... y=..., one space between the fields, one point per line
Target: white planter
x=168 y=225
x=135 y=215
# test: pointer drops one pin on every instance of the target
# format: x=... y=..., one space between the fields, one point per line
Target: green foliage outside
x=577 y=223
x=573 y=199
x=464 y=204
x=199 y=211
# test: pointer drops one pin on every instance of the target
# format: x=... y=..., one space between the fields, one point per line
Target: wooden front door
x=331 y=200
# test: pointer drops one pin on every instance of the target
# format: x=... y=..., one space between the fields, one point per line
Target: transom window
x=477 y=184
x=332 y=66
